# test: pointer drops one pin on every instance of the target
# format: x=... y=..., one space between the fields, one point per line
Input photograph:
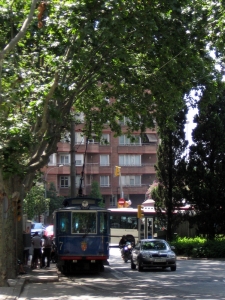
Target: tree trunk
x=11 y=237
x=170 y=190
x=3 y=267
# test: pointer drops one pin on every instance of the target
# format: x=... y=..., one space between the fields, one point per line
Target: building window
x=125 y=121
x=79 y=159
x=64 y=159
x=113 y=201
x=134 y=140
x=152 y=138
x=132 y=180
x=78 y=177
x=104 y=180
x=52 y=160
x=91 y=141
x=104 y=139
x=64 y=181
x=65 y=138
x=79 y=117
x=79 y=139
x=104 y=160
x=130 y=160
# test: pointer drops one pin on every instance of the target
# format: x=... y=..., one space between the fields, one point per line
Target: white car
x=37 y=227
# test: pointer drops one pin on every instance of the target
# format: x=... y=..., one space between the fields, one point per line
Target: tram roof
x=85 y=203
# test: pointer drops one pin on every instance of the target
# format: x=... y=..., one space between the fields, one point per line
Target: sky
x=189 y=124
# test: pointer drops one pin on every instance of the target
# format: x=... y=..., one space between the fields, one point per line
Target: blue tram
x=82 y=235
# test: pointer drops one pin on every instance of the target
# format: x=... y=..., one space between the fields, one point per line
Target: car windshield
x=154 y=245
x=36 y=226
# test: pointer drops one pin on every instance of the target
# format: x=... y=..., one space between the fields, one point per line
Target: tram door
x=148 y=228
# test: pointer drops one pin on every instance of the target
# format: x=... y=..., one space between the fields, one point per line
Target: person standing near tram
x=47 y=246
x=37 y=244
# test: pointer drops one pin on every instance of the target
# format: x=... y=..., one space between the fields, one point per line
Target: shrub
x=199 y=247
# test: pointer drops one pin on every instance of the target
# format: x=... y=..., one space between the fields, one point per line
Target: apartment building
x=136 y=156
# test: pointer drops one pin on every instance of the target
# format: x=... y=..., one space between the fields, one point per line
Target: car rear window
x=36 y=226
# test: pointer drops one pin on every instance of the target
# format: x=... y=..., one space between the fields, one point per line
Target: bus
x=124 y=221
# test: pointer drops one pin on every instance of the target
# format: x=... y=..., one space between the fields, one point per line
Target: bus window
x=123 y=222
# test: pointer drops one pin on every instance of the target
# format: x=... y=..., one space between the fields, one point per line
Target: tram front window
x=84 y=222
x=103 y=222
x=63 y=221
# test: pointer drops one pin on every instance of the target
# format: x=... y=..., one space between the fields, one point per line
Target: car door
x=135 y=252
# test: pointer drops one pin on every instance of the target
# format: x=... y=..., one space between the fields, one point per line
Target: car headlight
x=171 y=255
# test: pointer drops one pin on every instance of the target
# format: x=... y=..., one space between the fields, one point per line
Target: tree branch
x=21 y=33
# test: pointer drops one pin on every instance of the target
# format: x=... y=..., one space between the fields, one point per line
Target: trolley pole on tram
x=73 y=160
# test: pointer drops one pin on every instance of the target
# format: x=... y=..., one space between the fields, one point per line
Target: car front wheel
x=173 y=268
x=133 y=266
x=140 y=268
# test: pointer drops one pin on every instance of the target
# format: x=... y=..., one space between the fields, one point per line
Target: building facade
x=135 y=156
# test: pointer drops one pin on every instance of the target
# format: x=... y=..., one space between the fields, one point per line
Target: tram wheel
x=102 y=268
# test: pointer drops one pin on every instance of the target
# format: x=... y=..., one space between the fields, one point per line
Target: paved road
x=194 y=280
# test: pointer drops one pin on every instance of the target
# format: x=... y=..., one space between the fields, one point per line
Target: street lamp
x=45 y=179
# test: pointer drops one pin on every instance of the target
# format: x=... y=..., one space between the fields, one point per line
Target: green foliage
x=199 y=247
x=171 y=170
x=134 y=51
x=95 y=193
x=55 y=200
x=35 y=203
x=206 y=173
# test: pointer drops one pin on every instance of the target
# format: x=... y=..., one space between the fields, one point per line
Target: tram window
x=63 y=221
x=84 y=222
x=103 y=223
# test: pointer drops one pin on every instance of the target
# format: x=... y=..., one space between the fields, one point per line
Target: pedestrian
x=26 y=254
x=37 y=244
x=21 y=269
x=47 y=246
x=27 y=243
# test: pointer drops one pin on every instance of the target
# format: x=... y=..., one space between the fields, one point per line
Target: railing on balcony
x=137 y=148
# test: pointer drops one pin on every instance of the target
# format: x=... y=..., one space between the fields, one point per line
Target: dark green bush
x=199 y=247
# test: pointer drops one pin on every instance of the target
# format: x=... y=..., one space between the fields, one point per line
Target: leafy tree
x=95 y=193
x=206 y=168
x=140 y=54
x=171 y=170
x=35 y=203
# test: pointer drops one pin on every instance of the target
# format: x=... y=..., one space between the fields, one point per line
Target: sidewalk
x=13 y=291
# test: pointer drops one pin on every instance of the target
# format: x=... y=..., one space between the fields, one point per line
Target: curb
x=16 y=286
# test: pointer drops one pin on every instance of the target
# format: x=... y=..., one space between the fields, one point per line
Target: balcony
x=134 y=189
x=143 y=169
x=105 y=190
x=137 y=149
x=92 y=168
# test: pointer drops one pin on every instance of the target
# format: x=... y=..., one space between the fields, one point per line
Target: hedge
x=199 y=247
